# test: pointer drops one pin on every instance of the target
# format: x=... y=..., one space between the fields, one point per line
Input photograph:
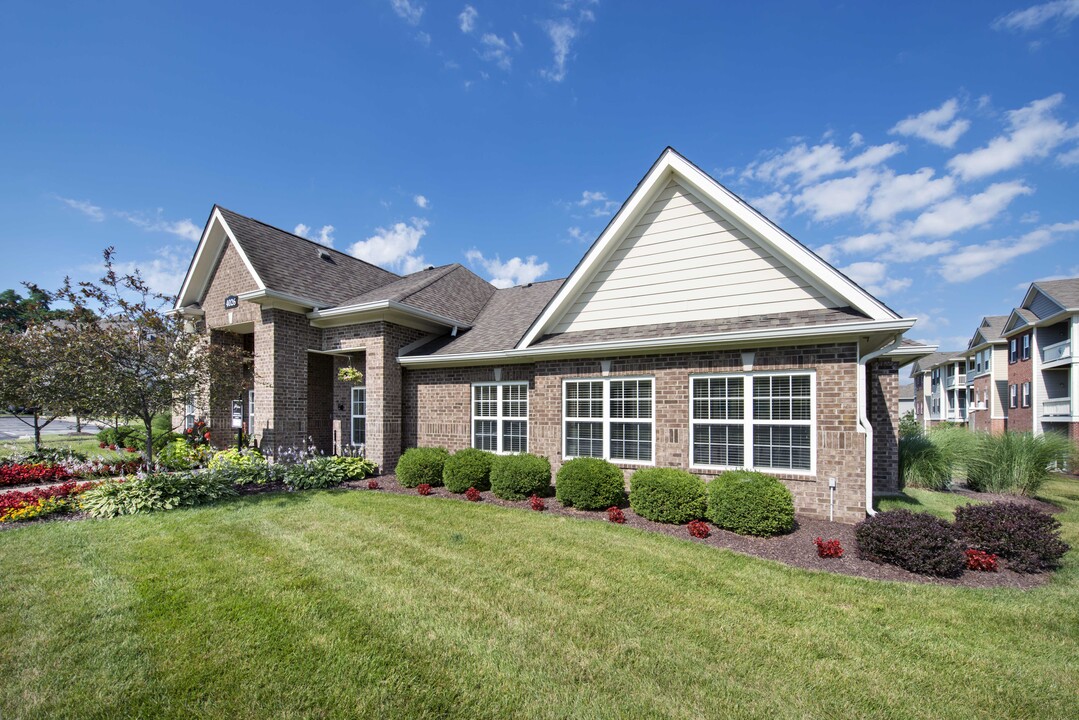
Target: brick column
x=282 y=339
x=220 y=403
x=883 y=376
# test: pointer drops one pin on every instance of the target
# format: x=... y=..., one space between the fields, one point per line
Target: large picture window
x=359 y=415
x=500 y=417
x=760 y=420
x=611 y=418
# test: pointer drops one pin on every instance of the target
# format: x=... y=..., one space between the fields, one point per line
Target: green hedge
x=515 y=477
x=750 y=503
x=468 y=468
x=421 y=465
x=667 y=495
x=590 y=484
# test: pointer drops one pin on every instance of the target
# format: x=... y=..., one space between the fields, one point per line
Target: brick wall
x=981 y=420
x=1021 y=419
x=220 y=402
x=883 y=413
x=436 y=410
x=230 y=277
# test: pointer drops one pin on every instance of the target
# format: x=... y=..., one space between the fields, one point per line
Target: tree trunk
x=78 y=425
x=148 y=422
x=37 y=431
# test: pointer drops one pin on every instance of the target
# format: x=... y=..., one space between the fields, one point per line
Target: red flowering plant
x=828 y=548
x=16 y=506
x=698 y=529
x=198 y=433
x=981 y=561
x=536 y=503
x=32 y=474
x=615 y=515
x=373 y=485
x=473 y=495
x=424 y=488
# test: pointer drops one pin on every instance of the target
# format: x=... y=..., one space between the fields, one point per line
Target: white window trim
x=189 y=413
x=1024 y=395
x=1026 y=346
x=250 y=411
x=606 y=419
x=498 y=417
x=1013 y=396
x=353 y=417
x=1013 y=351
x=748 y=422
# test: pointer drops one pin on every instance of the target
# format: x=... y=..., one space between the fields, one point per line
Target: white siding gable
x=682 y=261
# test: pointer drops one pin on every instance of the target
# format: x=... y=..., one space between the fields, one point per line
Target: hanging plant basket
x=350 y=375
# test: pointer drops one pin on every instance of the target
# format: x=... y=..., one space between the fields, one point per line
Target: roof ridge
x=307 y=240
x=437 y=274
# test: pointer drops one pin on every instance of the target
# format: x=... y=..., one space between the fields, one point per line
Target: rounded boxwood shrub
x=590 y=484
x=515 y=477
x=468 y=468
x=667 y=495
x=750 y=503
x=421 y=465
x=1026 y=537
x=918 y=542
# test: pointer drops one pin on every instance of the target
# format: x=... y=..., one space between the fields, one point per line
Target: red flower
x=372 y=485
x=536 y=503
x=112 y=446
x=423 y=489
x=615 y=515
x=473 y=494
x=828 y=548
x=206 y=435
x=102 y=445
x=981 y=561
x=188 y=430
x=698 y=529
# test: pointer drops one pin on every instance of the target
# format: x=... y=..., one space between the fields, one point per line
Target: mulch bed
x=795 y=549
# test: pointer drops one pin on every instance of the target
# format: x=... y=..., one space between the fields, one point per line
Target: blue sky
x=929 y=149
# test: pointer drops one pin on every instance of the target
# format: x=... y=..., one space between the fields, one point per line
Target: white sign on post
x=237 y=414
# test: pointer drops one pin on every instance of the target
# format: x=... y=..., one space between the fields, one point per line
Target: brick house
x=694 y=333
x=987 y=376
x=1043 y=369
x=940 y=388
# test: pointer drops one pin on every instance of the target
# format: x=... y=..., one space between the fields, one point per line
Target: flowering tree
x=145 y=358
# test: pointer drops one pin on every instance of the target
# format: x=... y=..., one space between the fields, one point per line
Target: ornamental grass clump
x=467 y=468
x=589 y=484
x=918 y=542
x=1027 y=538
x=750 y=503
x=1017 y=463
x=515 y=477
x=422 y=465
x=932 y=460
x=667 y=495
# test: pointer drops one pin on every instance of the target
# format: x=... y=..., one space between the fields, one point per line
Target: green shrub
x=159 y=491
x=355 y=468
x=324 y=471
x=421 y=465
x=48 y=456
x=750 y=503
x=181 y=455
x=515 y=477
x=241 y=467
x=1026 y=537
x=667 y=495
x=909 y=425
x=590 y=484
x=918 y=542
x=468 y=468
x=135 y=435
x=1017 y=462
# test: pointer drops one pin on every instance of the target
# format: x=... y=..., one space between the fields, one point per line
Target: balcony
x=950 y=381
x=1057 y=352
x=1057 y=408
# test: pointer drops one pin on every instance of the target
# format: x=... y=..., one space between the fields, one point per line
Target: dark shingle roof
x=502 y=322
x=291 y=264
x=827 y=316
x=990 y=330
x=931 y=361
x=1064 y=292
x=453 y=291
x=906 y=392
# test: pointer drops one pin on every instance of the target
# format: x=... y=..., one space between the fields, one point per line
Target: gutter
x=864 y=425
x=256 y=295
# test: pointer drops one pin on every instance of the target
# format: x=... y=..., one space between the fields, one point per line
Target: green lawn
x=84 y=443
x=941 y=504
x=363 y=604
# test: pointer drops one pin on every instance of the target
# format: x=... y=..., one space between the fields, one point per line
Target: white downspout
x=864 y=425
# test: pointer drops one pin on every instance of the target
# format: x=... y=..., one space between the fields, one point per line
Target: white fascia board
x=380 y=306
x=206 y=258
x=909 y=354
x=678 y=343
x=243 y=256
x=826 y=278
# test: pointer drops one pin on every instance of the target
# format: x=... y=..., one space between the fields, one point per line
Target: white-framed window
x=250 y=411
x=189 y=413
x=1026 y=394
x=1013 y=396
x=1026 y=346
x=359 y=415
x=500 y=417
x=987 y=361
x=1013 y=350
x=610 y=418
x=765 y=421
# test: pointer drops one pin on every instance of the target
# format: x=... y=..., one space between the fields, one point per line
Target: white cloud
x=467 y=19
x=164 y=273
x=86 y=207
x=856 y=139
x=900 y=193
x=839 y=196
x=323 y=237
x=804 y=165
x=408 y=11
x=974 y=261
x=577 y=234
x=1062 y=12
x=1033 y=133
x=873 y=276
x=962 y=213
x=597 y=203
x=937 y=126
x=514 y=271
x=156 y=223
x=495 y=50
x=562 y=33
x=773 y=205
x=424 y=38
x=421 y=201
x=394 y=247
